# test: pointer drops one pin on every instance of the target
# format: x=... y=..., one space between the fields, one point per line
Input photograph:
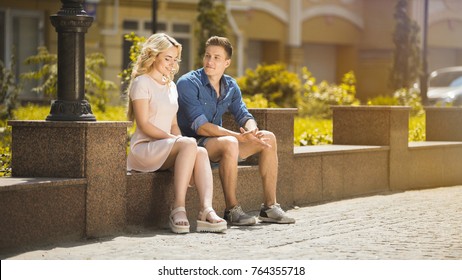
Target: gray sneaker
x=236 y=216
x=274 y=214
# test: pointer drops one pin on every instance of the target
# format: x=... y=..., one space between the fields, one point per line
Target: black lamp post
x=71 y=24
x=154 y=17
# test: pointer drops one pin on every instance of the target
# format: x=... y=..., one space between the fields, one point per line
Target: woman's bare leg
x=203 y=180
x=182 y=157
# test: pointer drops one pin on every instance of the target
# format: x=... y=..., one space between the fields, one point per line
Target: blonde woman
x=157 y=143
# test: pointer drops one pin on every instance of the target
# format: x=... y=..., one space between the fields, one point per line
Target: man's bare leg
x=226 y=151
x=268 y=164
x=271 y=212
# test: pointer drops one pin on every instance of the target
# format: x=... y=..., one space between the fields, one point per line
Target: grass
x=312 y=131
x=38 y=112
x=307 y=130
x=316 y=131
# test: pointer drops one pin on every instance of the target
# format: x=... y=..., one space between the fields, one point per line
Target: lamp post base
x=70 y=111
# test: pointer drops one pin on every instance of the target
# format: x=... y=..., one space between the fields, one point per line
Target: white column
x=240 y=40
x=295 y=28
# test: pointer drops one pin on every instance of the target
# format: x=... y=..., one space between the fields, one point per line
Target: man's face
x=215 y=61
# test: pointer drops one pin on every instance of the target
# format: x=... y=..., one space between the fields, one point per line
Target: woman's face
x=167 y=62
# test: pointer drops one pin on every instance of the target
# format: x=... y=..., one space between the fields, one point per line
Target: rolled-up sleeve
x=198 y=122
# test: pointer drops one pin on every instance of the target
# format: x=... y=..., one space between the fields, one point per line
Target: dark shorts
x=202 y=141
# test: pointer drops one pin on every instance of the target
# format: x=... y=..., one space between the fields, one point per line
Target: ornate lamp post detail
x=71 y=24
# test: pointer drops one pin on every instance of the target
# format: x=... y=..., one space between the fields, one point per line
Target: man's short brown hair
x=222 y=42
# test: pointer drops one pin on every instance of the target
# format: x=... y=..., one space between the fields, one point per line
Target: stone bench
x=41 y=211
x=149 y=196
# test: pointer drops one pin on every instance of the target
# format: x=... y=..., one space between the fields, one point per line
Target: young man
x=204 y=95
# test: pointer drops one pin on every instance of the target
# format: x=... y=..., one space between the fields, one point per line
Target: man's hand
x=255 y=136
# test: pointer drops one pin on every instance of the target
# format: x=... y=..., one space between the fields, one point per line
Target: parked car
x=445 y=86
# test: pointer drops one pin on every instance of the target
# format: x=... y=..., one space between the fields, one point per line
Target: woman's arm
x=141 y=110
x=175 y=128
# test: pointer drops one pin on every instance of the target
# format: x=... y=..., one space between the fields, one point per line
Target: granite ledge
x=273 y=110
x=443 y=109
x=370 y=108
x=336 y=149
x=159 y=173
x=433 y=144
x=22 y=183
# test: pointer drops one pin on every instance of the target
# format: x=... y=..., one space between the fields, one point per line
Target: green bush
x=417 y=130
x=135 y=49
x=9 y=90
x=32 y=112
x=402 y=97
x=5 y=161
x=317 y=98
x=5 y=153
x=282 y=88
x=96 y=89
x=383 y=100
x=410 y=97
x=212 y=20
x=274 y=82
x=256 y=101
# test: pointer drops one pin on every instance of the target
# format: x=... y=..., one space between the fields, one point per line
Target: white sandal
x=173 y=223
x=218 y=225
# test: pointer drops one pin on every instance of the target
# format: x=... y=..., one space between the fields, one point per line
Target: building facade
x=329 y=37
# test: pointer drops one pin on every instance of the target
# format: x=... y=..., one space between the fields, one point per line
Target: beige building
x=329 y=37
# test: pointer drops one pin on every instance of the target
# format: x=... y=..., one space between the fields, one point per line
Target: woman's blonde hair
x=152 y=47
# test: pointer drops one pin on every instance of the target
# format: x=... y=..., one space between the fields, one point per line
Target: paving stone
x=422 y=224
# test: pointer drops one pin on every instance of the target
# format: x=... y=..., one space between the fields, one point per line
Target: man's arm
x=251 y=135
x=212 y=130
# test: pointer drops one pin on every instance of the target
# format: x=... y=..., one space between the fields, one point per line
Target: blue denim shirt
x=198 y=102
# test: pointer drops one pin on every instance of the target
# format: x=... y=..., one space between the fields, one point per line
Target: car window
x=457 y=82
x=448 y=79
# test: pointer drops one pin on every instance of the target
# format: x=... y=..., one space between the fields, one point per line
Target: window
x=181 y=28
x=161 y=27
x=130 y=25
x=21 y=32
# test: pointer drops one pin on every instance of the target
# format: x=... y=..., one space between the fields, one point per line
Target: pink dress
x=148 y=154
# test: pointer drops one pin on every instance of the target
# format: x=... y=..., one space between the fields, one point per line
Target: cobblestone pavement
x=423 y=224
